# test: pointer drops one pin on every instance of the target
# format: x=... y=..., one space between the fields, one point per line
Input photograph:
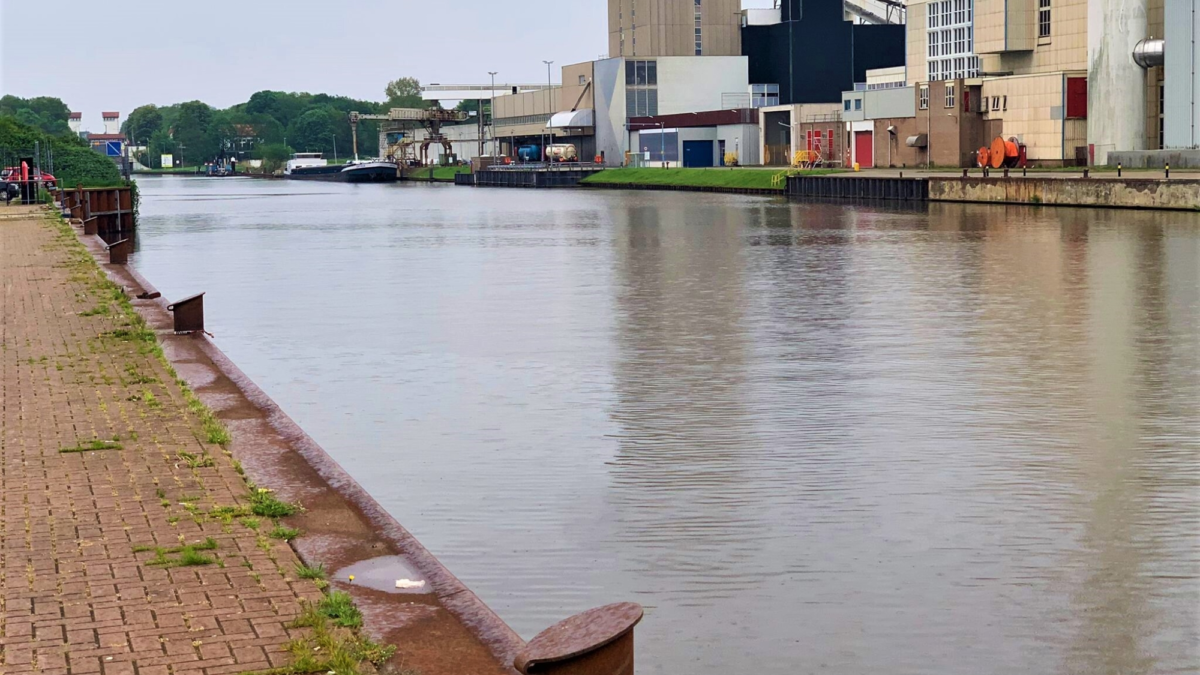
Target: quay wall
x=1135 y=193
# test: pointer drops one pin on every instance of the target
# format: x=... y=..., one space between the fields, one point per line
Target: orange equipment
x=982 y=157
x=1004 y=153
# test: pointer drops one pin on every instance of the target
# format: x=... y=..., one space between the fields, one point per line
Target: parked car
x=13 y=174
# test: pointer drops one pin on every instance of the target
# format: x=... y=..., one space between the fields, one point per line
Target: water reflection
x=808 y=437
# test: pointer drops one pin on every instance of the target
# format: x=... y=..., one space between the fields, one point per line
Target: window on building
x=1004 y=103
x=995 y=103
x=699 y=32
x=950 y=96
x=1043 y=18
x=663 y=147
x=762 y=95
x=985 y=104
x=950 y=36
x=858 y=104
x=924 y=97
x=846 y=105
x=641 y=88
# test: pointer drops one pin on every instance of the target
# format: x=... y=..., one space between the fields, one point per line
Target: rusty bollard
x=90 y=226
x=596 y=642
x=189 y=314
x=118 y=251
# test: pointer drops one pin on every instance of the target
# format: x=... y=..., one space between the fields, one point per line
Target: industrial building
x=646 y=28
x=813 y=53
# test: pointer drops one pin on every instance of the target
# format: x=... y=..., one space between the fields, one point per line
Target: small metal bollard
x=1119 y=167
x=118 y=251
x=1168 y=171
x=965 y=172
x=1024 y=172
x=189 y=314
x=1085 y=173
x=596 y=642
x=1006 y=173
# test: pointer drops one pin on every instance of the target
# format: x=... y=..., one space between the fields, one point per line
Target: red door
x=864 y=149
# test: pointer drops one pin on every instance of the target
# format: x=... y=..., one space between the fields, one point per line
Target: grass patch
x=329 y=648
x=310 y=572
x=284 y=533
x=98 y=310
x=189 y=554
x=197 y=461
x=263 y=503
x=339 y=608
x=742 y=179
x=250 y=522
x=93 y=446
x=444 y=173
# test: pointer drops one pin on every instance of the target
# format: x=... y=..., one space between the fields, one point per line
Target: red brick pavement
x=74 y=596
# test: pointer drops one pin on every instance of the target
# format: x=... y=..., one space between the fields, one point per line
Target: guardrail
x=547 y=166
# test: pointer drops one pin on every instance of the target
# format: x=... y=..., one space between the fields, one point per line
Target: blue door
x=698 y=154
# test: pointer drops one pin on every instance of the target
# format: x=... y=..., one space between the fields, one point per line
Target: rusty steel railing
x=107 y=212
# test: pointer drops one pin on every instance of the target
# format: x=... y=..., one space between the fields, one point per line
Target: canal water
x=808 y=438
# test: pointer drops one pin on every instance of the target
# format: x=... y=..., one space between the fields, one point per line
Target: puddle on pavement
x=383 y=574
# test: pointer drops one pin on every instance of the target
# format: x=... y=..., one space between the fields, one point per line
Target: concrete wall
x=690 y=84
x=612 y=138
x=1116 y=85
x=1149 y=194
x=742 y=139
x=898 y=102
x=1154 y=159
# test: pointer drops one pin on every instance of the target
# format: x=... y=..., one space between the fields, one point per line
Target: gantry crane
x=401 y=120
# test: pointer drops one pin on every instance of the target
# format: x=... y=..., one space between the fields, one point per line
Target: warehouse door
x=864 y=149
x=698 y=153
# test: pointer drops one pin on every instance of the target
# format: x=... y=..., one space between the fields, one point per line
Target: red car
x=13 y=174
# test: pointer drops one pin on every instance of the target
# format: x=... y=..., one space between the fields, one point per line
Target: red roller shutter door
x=864 y=149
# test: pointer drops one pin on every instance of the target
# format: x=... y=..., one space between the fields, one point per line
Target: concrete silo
x=1116 y=84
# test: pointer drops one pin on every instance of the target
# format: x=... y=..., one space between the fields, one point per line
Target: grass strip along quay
x=730 y=179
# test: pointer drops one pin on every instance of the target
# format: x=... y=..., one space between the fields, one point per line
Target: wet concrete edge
x=202 y=356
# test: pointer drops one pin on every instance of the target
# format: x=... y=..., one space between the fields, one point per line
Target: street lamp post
x=492 y=110
x=549 y=105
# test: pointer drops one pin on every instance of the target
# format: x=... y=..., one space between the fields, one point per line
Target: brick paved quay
x=77 y=598
x=130 y=539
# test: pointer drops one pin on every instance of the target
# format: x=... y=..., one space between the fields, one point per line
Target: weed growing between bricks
x=332 y=641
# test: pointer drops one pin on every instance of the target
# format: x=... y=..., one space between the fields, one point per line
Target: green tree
x=316 y=130
x=161 y=144
x=273 y=155
x=44 y=113
x=142 y=123
x=404 y=93
x=192 y=131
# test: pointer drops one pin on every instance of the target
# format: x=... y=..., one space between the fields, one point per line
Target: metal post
x=662 y=143
x=492 y=111
x=549 y=106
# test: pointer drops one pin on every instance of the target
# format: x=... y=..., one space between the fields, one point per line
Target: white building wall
x=696 y=83
x=612 y=136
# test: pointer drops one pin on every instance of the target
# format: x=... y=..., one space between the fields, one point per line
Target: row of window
x=949 y=13
x=956 y=68
x=641 y=73
x=699 y=33
x=923 y=96
x=641 y=102
x=1043 y=18
x=997 y=103
x=951 y=41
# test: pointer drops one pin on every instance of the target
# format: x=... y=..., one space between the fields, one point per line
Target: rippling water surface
x=808 y=438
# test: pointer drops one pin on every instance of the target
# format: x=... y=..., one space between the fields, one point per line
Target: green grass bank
x=728 y=179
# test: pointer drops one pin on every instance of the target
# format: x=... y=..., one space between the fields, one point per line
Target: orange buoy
x=982 y=157
x=997 y=153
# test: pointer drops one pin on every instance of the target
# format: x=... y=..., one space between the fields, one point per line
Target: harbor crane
x=402 y=120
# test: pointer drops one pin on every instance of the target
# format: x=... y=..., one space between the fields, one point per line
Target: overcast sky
x=120 y=54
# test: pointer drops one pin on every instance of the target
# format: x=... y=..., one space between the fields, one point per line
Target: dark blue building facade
x=815 y=54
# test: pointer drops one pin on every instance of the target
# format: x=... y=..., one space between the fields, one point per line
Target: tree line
x=270 y=125
x=37 y=129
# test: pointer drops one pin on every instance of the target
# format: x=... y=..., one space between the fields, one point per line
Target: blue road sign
x=112 y=148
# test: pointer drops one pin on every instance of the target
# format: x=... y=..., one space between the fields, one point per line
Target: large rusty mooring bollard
x=118 y=251
x=596 y=642
x=189 y=314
